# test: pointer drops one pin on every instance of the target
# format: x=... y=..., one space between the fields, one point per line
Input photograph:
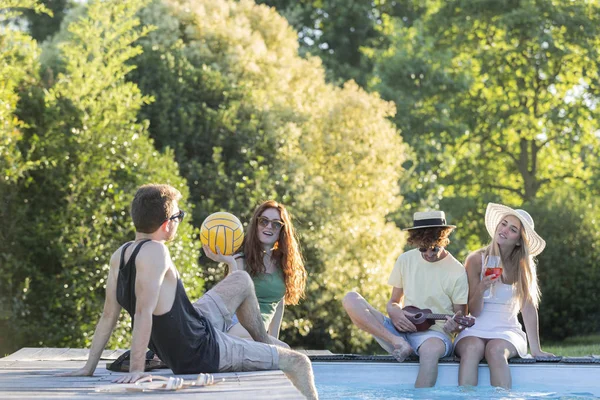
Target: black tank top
x=182 y=338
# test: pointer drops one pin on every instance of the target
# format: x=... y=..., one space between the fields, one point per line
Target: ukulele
x=423 y=319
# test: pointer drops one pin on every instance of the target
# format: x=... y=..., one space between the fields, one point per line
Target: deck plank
x=30 y=374
x=65 y=354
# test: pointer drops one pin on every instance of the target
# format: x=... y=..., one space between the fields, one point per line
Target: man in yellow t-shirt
x=427 y=277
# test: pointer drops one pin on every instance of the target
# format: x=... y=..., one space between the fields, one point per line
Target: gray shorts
x=235 y=354
x=415 y=339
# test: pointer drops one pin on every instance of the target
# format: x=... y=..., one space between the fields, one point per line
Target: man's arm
x=108 y=320
x=151 y=267
x=451 y=326
x=394 y=309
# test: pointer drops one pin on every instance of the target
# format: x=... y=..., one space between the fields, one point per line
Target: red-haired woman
x=273 y=259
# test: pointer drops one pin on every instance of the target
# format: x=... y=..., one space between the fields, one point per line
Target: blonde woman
x=497 y=334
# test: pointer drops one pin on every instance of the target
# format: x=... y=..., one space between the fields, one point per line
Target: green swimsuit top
x=270 y=289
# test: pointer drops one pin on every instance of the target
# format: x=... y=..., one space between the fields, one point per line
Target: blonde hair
x=520 y=268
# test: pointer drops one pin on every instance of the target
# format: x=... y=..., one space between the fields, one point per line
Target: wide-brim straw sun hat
x=494 y=214
x=429 y=219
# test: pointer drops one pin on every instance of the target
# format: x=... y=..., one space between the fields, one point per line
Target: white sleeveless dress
x=498 y=319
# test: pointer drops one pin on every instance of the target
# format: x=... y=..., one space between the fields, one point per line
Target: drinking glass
x=492 y=266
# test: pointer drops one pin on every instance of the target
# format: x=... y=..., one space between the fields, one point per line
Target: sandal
x=121 y=364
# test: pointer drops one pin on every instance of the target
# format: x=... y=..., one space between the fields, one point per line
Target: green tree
x=498 y=99
x=250 y=119
x=95 y=154
x=568 y=268
x=343 y=167
x=19 y=65
x=520 y=85
x=43 y=26
x=204 y=111
x=337 y=31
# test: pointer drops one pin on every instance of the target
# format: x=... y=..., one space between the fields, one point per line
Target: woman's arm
x=477 y=286
x=240 y=264
x=275 y=325
x=530 y=318
x=234 y=264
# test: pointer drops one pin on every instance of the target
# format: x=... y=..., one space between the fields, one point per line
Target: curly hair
x=428 y=237
x=286 y=253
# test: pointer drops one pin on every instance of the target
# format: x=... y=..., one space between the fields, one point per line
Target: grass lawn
x=574 y=346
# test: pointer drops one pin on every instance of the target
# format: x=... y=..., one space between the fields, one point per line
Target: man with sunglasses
x=189 y=338
x=427 y=277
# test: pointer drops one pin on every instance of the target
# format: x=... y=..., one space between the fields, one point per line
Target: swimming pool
x=372 y=381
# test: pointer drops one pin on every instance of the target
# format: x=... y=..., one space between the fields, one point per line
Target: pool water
x=397 y=392
x=372 y=381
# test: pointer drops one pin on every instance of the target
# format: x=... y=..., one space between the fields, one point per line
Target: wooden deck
x=29 y=374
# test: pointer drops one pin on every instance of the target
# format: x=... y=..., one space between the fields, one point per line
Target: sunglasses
x=179 y=216
x=276 y=224
x=434 y=248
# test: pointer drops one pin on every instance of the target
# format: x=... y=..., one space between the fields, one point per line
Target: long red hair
x=286 y=252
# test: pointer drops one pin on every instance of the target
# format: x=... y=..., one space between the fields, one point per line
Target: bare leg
x=429 y=354
x=365 y=317
x=241 y=332
x=471 y=350
x=298 y=369
x=497 y=353
x=237 y=292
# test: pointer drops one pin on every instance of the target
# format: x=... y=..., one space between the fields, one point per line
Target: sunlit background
x=353 y=113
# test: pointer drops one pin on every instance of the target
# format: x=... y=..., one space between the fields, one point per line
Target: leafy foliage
x=43 y=26
x=338 y=31
x=505 y=88
x=270 y=127
x=568 y=268
x=19 y=66
x=492 y=94
x=95 y=154
x=498 y=101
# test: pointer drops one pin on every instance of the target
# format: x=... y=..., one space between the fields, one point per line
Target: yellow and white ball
x=222 y=229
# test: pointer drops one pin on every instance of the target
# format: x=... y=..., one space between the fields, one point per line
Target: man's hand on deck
x=131 y=377
x=80 y=372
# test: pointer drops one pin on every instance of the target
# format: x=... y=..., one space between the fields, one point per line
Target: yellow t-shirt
x=436 y=286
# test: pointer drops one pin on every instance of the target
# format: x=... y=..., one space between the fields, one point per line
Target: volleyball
x=224 y=230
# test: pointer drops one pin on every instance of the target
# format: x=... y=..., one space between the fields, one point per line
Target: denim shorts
x=415 y=339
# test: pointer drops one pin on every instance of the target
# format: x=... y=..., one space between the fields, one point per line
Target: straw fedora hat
x=429 y=219
x=494 y=214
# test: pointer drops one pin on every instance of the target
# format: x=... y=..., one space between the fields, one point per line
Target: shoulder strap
x=133 y=273
x=123 y=254
x=137 y=249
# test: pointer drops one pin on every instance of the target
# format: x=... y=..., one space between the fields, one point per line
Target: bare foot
x=402 y=351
